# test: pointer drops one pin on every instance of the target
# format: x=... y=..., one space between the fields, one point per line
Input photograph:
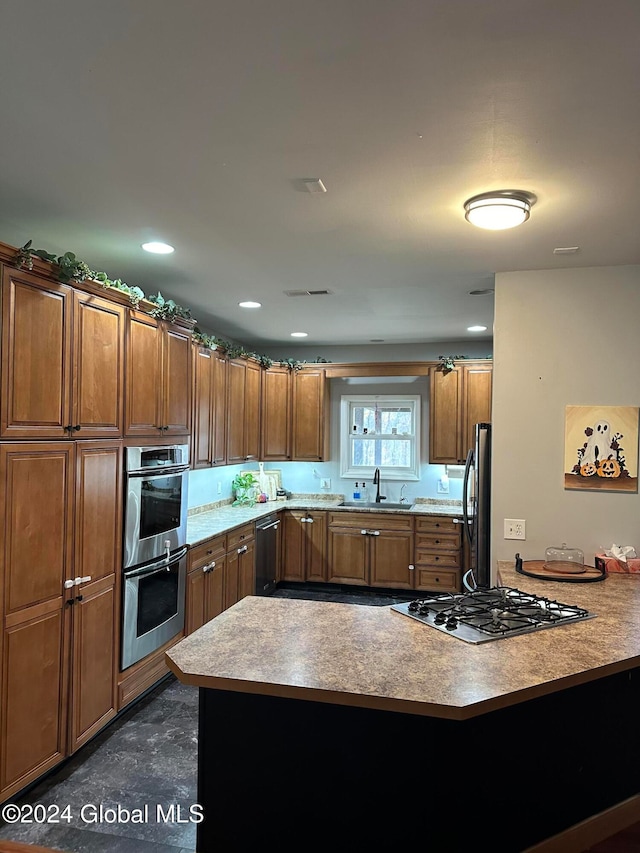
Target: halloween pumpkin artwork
x=601 y=462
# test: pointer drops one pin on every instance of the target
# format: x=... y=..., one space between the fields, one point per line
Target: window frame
x=365 y=472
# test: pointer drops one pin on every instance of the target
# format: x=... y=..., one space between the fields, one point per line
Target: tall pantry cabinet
x=61 y=423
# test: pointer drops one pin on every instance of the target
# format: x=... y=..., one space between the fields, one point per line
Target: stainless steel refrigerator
x=476 y=502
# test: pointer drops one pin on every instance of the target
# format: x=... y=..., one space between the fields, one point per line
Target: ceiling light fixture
x=158 y=248
x=250 y=304
x=476 y=328
x=499 y=209
x=299 y=335
x=484 y=292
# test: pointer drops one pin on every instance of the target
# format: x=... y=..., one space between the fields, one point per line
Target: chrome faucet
x=376 y=482
x=403 y=500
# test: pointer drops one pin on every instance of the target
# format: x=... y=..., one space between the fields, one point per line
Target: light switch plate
x=325 y=483
x=514 y=528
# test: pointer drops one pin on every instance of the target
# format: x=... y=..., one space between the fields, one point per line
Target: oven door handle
x=163 y=565
x=152 y=473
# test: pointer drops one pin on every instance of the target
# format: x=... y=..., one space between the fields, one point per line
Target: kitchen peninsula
x=371 y=727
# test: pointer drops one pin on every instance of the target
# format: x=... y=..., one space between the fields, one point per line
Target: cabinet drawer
x=438 y=524
x=433 y=579
x=240 y=535
x=446 y=559
x=207 y=551
x=371 y=520
x=438 y=541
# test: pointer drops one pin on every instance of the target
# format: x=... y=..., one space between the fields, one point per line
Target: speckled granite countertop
x=371 y=656
x=204 y=525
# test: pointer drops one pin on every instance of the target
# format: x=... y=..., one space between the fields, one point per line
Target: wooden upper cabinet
x=310 y=420
x=175 y=405
x=219 y=428
x=243 y=411
x=203 y=408
x=276 y=414
x=62 y=361
x=460 y=398
x=476 y=406
x=236 y=410
x=98 y=367
x=158 y=377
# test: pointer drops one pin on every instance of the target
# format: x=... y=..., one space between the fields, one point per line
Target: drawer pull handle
x=243 y=549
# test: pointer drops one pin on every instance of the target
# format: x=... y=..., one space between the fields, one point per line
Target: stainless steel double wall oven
x=155 y=548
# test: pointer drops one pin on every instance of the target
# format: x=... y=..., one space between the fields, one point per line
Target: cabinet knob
x=209 y=567
x=77 y=427
x=374 y=532
x=411 y=568
x=364 y=532
x=243 y=549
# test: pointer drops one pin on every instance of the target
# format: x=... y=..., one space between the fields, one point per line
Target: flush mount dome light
x=250 y=304
x=157 y=248
x=299 y=334
x=476 y=328
x=499 y=209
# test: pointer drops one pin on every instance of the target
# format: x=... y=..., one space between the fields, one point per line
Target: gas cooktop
x=491 y=614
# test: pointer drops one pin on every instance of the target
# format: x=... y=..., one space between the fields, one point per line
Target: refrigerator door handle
x=468 y=523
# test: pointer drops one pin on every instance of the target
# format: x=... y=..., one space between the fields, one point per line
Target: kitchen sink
x=374 y=505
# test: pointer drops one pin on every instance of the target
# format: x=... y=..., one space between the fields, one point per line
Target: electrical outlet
x=514 y=528
x=219 y=487
x=443 y=485
x=325 y=483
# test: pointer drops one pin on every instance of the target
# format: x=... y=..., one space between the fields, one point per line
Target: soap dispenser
x=356 y=493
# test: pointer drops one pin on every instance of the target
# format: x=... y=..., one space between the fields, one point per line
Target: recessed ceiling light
x=476 y=328
x=158 y=248
x=299 y=335
x=250 y=304
x=499 y=209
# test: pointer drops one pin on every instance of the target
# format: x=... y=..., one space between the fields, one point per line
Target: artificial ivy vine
x=68 y=268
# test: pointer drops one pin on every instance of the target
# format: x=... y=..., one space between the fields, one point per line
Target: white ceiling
x=193 y=121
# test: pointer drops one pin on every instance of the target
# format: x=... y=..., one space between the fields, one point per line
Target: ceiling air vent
x=308 y=292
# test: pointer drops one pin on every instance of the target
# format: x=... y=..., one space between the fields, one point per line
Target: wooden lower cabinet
x=220 y=572
x=60 y=509
x=438 y=554
x=304 y=546
x=369 y=549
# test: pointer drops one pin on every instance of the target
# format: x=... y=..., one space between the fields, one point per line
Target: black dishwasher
x=267 y=533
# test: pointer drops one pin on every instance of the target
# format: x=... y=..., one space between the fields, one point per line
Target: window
x=380 y=432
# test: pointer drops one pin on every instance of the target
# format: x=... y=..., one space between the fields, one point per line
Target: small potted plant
x=245 y=489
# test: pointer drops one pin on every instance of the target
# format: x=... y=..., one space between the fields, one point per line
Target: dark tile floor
x=147 y=757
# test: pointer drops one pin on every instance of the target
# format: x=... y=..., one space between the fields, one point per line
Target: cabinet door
x=35 y=560
x=276 y=414
x=445 y=410
x=231 y=577
x=220 y=381
x=236 y=411
x=98 y=367
x=316 y=546
x=202 y=435
x=294 y=546
x=36 y=356
x=310 y=421
x=176 y=396
x=247 y=569
x=476 y=406
x=252 y=410
x=214 y=589
x=391 y=558
x=144 y=376
x=94 y=660
x=34 y=696
x=347 y=556
x=98 y=556
x=195 y=605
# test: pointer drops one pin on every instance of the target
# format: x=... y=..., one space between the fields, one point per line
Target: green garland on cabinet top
x=68 y=268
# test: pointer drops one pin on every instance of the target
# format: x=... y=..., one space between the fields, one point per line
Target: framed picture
x=601 y=448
